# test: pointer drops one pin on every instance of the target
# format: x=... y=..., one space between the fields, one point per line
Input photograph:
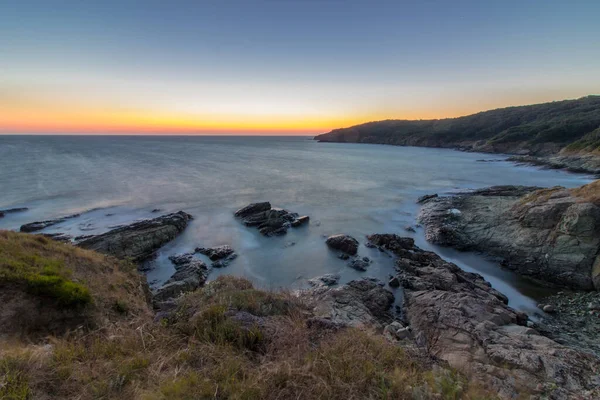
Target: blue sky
x=310 y=65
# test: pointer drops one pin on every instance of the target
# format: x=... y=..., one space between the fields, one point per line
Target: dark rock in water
x=39 y=225
x=300 y=221
x=550 y=234
x=253 y=209
x=409 y=228
x=190 y=274
x=360 y=264
x=458 y=317
x=344 y=243
x=139 y=240
x=363 y=302
x=394 y=282
x=12 y=210
x=215 y=253
x=180 y=259
x=324 y=280
x=343 y=256
x=269 y=221
x=224 y=262
x=156 y=210
x=424 y=199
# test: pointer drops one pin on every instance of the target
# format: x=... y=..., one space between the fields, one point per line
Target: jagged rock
x=269 y=221
x=190 y=274
x=360 y=264
x=425 y=198
x=550 y=234
x=139 y=240
x=458 y=317
x=216 y=253
x=325 y=280
x=39 y=225
x=300 y=221
x=363 y=302
x=394 y=282
x=344 y=243
x=224 y=262
x=409 y=228
x=179 y=259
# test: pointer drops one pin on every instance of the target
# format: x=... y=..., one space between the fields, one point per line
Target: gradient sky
x=284 y=66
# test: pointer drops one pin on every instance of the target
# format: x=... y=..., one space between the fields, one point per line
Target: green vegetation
x=227 y=340
x=43 y=276
x=540 y=129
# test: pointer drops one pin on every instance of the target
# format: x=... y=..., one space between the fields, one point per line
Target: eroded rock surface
x=363 y=303
x=458 y=317
x=139 y=240
x=547 y=234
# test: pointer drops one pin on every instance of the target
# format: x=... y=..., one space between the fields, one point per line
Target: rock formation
x=552 y=235
x=269 y=221
x=458 y=317
x=139 y=240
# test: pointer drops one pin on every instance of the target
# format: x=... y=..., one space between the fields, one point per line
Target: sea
x=356 y=189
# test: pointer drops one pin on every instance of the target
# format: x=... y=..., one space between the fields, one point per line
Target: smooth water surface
x=344 y=188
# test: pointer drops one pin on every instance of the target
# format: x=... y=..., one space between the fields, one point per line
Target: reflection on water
x=345 y=188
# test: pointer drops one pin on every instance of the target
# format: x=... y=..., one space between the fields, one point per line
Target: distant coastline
x=562 y=135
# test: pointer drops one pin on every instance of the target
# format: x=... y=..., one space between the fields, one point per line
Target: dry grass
x=588 y=193
x=202 y=351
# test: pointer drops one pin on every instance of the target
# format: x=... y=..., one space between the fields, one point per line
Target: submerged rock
x=551 y=235
x=39 y=225
x=139 y=240
x=300 y=221
x=458 y=317
x=269 y=221
x=360 y=264
x=12 y=210
x=344 y=243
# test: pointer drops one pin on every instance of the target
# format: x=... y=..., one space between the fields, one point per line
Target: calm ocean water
x=345 y=188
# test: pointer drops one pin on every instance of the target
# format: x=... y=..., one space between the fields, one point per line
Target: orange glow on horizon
x=55 y=119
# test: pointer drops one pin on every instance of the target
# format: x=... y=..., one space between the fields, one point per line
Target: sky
x=284 y=66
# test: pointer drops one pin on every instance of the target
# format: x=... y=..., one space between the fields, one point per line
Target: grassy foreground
x=227 y=340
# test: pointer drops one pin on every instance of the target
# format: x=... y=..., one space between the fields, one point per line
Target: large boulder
x=139 y=240
x=344 y=243
x=551 y=235
x=253 y=209
x=458 y=317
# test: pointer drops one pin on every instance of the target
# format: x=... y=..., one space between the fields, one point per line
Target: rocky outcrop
x=221 y=256
x=458 y=317
x=139 y=240
x=269 y=221
x=360 y=264
x=551 y=235
x=190 y=274
x=344 y=243
x=363 y=303
x=39 y=225
x=12 y=210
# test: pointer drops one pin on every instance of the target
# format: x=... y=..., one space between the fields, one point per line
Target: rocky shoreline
x=443 y=313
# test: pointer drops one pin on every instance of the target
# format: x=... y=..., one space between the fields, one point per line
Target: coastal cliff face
x=458 y=317
x=552 y=235
x=569 y=129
